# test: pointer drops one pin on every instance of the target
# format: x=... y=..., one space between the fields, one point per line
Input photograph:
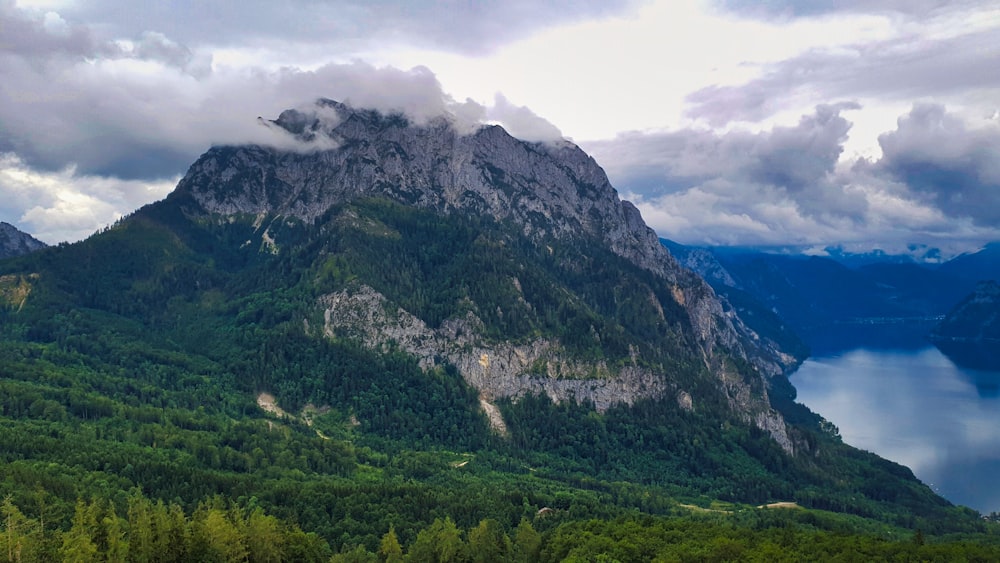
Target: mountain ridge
x=814 y=293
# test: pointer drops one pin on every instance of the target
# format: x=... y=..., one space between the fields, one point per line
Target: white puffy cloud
x=940 y=51
x=936 y=183
x=521 y=122
x=65 y=205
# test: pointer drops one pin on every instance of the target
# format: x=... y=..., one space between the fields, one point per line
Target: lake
x=902 y=398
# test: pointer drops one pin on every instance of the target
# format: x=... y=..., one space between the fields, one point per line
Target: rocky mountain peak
x=14 y=242
x=550 y=191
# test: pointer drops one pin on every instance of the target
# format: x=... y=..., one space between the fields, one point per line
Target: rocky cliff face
x=547 y=190
x=15 y=243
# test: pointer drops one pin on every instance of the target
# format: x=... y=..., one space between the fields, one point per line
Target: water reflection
x=871 y=334
x=916 y=407
x=972 y=355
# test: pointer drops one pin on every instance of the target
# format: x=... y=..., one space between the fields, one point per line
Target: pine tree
x=389 y=549
x=488 y=543
x=16 y=529
x=78 y=544
x=527 y=542
x=264 y=537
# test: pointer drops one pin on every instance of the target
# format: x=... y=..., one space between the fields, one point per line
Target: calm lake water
x=905 y=400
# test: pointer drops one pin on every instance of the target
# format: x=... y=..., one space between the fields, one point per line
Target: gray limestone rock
x=14 y=242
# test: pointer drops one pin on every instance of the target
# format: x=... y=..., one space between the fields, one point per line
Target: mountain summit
x=546 y=189
x=549 y=194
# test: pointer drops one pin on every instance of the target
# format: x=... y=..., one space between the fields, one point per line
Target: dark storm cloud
x=942 y=159
x=900 y=69
x=468 y=26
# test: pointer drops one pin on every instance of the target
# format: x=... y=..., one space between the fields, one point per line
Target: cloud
x=145 y=109
x=946 y=61
x=43 y=35
x=65 y=205
x=452 y=25
x=940 y=158
x=150 y=117
x=790 y=185
x=521 y=122
x=809 y=8
x=794 y=160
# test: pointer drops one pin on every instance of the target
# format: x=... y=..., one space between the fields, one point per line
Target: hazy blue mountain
x=976 y=318
x=812 y=294
x=981 y=265
x=970 y=333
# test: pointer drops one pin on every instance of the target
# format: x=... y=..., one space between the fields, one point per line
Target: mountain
x=975 y=319
x=969 y=333
x=14 y=242
x=753 y=309
x=818 y=295
x=981 y=265
x=555 y=196
x=396 y=326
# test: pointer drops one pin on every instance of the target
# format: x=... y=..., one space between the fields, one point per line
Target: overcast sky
x=858 y=123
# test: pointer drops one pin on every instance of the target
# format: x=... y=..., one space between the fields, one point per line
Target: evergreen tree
x=488 y=543
x=78 y=544
x=441 y=542
x=389 y=550
x=16 y=529
x=527 y=542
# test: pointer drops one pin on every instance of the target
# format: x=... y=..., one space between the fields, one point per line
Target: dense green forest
x=224 y=531
x=132 y=364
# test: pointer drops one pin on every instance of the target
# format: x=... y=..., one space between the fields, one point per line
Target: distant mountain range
x=814 y=293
